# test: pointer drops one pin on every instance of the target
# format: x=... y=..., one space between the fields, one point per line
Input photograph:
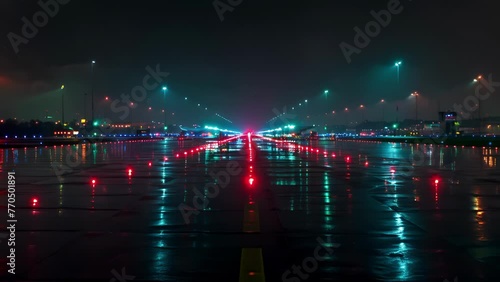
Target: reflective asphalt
x=321 y=211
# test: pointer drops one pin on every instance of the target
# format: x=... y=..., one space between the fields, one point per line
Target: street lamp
x=92 y=88
x=397 y=64
x=362 y=112
x=62 y=105
x=415 y=94
x=478 y=78
x=326 y=94
x=382 y=102
x=165 y=107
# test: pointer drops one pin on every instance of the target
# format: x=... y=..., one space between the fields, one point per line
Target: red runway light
x=333 y=155
x=177 y=155
x=129 y=172
x=165 y=159
x=185 y=153
x=150 y=164
x=93 y=181
x=251 y=181
x=34 y=201
x=436 y=181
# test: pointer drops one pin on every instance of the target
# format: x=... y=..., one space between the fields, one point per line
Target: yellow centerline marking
x=252 y=265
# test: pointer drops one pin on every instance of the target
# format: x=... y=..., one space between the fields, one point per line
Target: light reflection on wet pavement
x=388 y=220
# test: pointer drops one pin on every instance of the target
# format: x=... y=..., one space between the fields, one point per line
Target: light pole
x=62 y=105
x=92 y=89
x=305 y=107
x=397 y=64
x=479 y=105
x=165 y=107
x=346 y=110
x=362 y=113
x=415 y=94
x=326 y=94
x=382 y=102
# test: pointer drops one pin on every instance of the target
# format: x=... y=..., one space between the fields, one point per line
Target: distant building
x=449 y=123
x=431 y=128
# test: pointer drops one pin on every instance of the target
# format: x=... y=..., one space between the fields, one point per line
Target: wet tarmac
x=253 y=209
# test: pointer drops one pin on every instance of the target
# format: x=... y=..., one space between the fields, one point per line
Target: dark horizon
x=261 y=58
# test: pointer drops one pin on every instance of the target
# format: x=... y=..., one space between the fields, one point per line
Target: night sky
x=265 y=55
